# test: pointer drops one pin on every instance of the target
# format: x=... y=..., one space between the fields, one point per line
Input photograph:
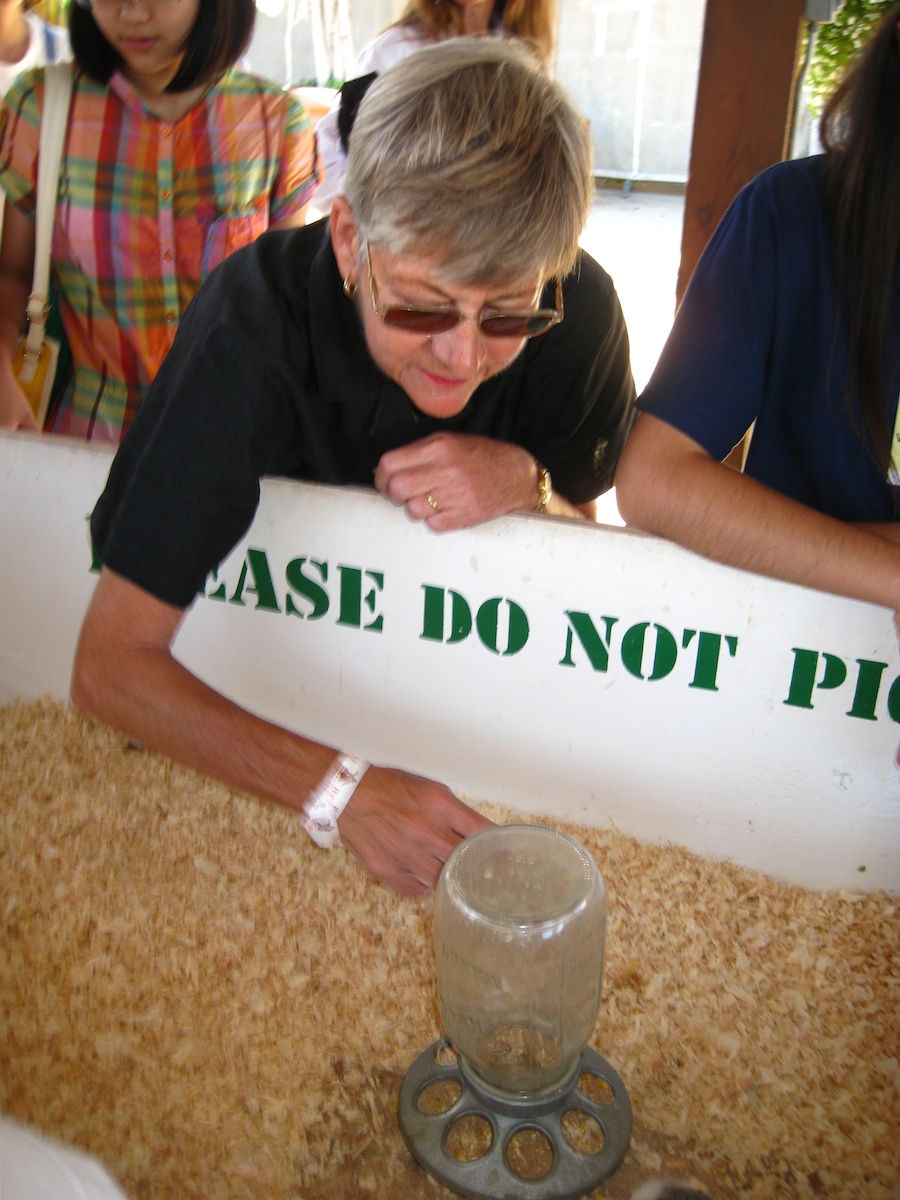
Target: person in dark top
x=288 y=387
x=442 y=338
x=791 y=326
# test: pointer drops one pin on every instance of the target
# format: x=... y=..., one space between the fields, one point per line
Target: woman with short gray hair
x=427 y=164
x=441 y=338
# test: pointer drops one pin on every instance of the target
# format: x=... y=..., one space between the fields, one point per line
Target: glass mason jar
x=519 y=933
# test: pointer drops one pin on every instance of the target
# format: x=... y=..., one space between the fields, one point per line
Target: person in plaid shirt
x=173 y=159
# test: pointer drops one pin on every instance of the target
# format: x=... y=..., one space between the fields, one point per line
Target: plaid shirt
x=146 y=209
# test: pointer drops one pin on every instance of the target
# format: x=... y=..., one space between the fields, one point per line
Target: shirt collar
x=124 y=89
x=374 y=406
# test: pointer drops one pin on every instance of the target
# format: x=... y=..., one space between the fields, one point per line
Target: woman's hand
x=455 y=481
x=468 y=479
x=402 y=828
x=15 y=411
x=16 y=271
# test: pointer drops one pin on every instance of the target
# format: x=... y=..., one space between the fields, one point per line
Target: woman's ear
x=344 y=238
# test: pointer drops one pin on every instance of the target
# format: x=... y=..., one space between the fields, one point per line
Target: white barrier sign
x=588 y=673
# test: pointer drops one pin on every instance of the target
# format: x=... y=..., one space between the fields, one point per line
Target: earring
x=351 y=287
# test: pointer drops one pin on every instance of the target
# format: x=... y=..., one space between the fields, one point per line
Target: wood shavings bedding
x=216 y=1008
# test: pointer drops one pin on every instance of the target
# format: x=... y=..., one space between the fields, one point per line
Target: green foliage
x=53 y=11
x=331 y=82
x=836 y=45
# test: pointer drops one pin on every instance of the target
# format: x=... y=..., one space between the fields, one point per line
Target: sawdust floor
x=216 y=1008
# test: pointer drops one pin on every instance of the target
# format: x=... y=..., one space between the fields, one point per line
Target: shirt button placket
x=166 y=183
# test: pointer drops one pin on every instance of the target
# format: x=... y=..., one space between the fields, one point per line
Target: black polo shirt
x=269 y=374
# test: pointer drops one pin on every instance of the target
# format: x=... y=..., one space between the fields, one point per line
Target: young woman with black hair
x=173 y=159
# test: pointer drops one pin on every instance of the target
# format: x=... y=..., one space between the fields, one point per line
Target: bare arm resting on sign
x=669 y=485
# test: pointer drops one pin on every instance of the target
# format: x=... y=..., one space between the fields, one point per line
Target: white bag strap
x=54 y=118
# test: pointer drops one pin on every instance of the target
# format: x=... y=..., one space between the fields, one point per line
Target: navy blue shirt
x=756 y=340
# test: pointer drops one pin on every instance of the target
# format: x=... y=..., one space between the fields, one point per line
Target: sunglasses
x=428 y=322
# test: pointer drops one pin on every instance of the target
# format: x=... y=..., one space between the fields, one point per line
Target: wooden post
x=744 y=110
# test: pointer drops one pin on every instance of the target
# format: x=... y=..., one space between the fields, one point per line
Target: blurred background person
x=423 y=23
x=27 y=41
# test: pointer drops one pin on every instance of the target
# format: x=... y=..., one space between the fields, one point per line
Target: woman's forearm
x=668 y=485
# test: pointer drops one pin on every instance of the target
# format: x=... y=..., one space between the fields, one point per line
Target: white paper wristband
x=330 y=798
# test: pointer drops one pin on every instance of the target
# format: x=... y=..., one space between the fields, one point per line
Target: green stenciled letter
x=487 y=621
x=664 y=656
x=709 y=647
x=256 y=565
x=353 y=599
x=219 y=592
x=803 y=676
x=868 y=684
x=308 y=588
x=433 y=619
x=597 y=648
x=893 y=702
